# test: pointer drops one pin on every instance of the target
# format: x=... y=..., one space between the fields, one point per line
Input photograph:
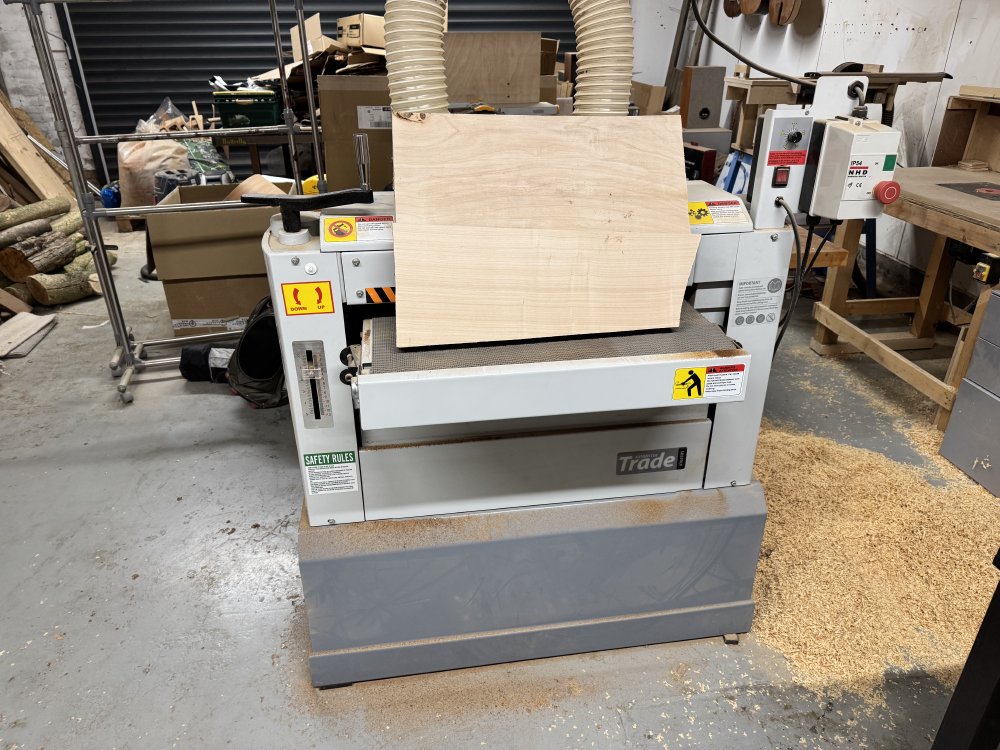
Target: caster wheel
x=117 y=372
x=126 y=397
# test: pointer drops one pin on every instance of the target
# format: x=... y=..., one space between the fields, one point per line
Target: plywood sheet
x=494 y=67
x=528 y=227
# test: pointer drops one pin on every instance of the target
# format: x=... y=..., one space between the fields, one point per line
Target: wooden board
x=470 y=286
x=9 y=302
x=986 y=92
x=24 y=157
x=494 y=67
x=586 y=214
x=20 y=328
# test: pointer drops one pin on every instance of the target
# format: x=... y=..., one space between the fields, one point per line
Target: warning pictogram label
x=708 y=382
x=340 y=229
x=308 y=298
x=717 y=212
x=357 y=228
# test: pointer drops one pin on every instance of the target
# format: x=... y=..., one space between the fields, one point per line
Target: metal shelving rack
x=130 y=355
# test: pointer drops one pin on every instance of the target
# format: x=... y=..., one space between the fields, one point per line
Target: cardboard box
x=361 y=30
x=549 y=89
x=349 y=105
x=210 y=262
x=315 y=40
x=550 y=50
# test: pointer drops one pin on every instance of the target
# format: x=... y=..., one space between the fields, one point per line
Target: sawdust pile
x=866 y=566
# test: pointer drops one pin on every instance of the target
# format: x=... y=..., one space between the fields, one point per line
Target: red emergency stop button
x=887 y=191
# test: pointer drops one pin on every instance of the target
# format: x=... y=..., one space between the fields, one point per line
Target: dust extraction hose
x=414 y=50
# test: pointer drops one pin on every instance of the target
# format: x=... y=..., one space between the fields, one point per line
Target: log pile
x=44 y=260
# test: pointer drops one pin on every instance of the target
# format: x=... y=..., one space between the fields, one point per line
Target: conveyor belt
x=694 y=334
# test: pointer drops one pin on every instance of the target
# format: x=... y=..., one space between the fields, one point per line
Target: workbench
x=254 y=142
x=926 y=202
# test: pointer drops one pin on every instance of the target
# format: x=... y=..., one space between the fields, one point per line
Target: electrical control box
x=782 y=147
x=850 y=169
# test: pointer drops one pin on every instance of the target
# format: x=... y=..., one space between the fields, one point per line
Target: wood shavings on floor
x=867 y=566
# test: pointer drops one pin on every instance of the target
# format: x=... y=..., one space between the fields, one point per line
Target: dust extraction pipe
x=414 y=49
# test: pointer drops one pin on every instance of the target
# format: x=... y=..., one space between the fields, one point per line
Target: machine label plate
x=308 y=298
x=331 y=472
x=374 y=118
x=707 y=382
x=646 y=462
x=717 y=212
x=357 y=228
x=757 y=301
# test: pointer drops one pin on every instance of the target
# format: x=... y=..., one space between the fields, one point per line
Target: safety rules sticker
x=757 y=301
x=709 y=382
x=717 y=212
x=331 y=472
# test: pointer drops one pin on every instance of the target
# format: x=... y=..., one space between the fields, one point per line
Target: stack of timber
x=43 y=256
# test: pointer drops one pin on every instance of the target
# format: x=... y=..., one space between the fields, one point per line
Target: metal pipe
x=300 y=15
x=178 y=135
x=59 y=160
x=174 y=208
x=288 y=115
x=47 y=66
x=162 y=362
x=202 y=338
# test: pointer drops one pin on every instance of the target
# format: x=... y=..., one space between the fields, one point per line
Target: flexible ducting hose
x=414 y=51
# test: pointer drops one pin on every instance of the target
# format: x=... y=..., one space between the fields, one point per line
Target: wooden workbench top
x=966 y=216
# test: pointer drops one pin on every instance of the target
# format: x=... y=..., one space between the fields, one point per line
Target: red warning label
x=786 y=158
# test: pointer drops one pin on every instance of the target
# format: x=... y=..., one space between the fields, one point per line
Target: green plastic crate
x=241 y=109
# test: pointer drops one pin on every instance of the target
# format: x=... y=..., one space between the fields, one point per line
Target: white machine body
x=387 y=433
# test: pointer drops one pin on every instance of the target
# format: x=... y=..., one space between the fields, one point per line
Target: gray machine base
x=392 y=598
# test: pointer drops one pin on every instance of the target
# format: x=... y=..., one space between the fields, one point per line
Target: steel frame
x=130 y=355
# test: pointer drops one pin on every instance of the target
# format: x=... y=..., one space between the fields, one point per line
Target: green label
x=328 y=459
x=890 y=163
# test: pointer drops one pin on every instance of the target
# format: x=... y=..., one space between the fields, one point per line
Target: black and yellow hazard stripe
x=380 y=295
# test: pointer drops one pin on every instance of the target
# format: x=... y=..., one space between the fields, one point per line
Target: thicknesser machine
x=481 y=504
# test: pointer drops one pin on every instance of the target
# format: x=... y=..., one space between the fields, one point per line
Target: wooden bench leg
x=962 y=355
x=838 y=284
x=937 y=279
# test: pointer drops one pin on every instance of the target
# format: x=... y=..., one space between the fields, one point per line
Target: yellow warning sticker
x=340 y=229
x=708 y=382
x=308 y=298
x=698 y=213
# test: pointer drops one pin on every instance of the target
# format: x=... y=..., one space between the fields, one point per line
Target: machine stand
x=401 y=597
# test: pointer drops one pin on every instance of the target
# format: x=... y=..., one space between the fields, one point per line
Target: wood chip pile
x=869 y=565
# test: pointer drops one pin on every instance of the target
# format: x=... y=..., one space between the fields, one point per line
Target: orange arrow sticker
x=308 y=298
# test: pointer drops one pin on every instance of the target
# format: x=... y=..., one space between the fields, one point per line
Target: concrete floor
x=151 y=594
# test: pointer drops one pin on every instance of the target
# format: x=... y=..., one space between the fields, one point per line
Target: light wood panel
x=24 y=157
x=580 y=223
x=494 y=67
x=470 y=286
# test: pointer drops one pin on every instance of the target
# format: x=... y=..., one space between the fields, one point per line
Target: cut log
x=23 y=231
x=69 y=286
x=68 y=224
x=41 y=254
x=39 y=210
